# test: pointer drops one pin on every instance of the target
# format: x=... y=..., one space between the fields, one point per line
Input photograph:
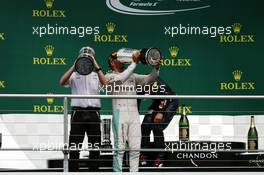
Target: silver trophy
x=84 y=64
x=87 y=50
x=148 y=56
x=106 y=141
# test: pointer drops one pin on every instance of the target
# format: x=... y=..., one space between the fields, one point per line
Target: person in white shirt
x=85 y=116
x=126 y=121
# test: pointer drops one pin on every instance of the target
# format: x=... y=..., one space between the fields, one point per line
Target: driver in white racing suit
x=126 y=121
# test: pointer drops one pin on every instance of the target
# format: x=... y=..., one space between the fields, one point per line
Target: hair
x=112 y=56
x=88 y=50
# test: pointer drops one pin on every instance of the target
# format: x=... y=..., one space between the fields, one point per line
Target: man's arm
x=123 y=76
x=100 y=73
x=65 y=78
x=146 y=79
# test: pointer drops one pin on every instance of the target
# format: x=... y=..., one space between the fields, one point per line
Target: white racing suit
x=126 y=121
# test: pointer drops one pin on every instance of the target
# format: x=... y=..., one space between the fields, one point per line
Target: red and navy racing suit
x=167 y=107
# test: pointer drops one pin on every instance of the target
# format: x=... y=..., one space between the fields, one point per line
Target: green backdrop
x=203 y=65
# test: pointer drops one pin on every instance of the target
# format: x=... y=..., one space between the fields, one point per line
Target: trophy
x=148 y=56
x=84 y=64
x=87 y=50
x=106 y=142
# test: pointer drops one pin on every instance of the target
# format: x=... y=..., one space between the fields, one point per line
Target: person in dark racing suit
x=158 y=117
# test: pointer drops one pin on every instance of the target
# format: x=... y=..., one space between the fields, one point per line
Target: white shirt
x=85 y=85
x=129 y=79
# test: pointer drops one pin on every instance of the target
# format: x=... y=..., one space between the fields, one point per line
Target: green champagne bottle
x=252 y=135
x=184 y=126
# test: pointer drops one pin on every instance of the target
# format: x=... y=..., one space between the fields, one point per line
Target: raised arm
x=123 y=76
x=100 y=73
x=64 y=80
x=146 y=79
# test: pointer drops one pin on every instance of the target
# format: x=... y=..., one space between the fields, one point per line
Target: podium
x=235 y=159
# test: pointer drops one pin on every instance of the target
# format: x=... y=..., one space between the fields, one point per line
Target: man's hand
x=96 y=66
x=136 y=56
x=159 y=63
x=158 y=117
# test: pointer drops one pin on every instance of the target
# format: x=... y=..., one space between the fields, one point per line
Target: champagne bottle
x=184 y=126
x=252 y=135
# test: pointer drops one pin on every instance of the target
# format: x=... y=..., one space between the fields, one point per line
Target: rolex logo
x=237 y=28
x=237 y=75
x=49 y=50
x=174 y=60
x=173 y=51
x=110 y=37
x=49 y=3
x=50 y=108
x=237 y=84
x=110 y=27
x=49 y=12
x=50 y=100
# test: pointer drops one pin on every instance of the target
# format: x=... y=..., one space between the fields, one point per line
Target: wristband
x=97 y=70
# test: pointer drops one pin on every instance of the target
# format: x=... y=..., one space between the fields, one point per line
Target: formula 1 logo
x=156 y=7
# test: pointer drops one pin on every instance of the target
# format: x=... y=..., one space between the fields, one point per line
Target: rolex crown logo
x=173 y=51
x=49 y=50
x=237 y=28
x=50 y=100
x=110 y=27
x=237 y=75
x=49 y=3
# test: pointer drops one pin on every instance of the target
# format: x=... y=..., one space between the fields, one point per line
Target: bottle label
x=184 y=133
x=252 y=144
